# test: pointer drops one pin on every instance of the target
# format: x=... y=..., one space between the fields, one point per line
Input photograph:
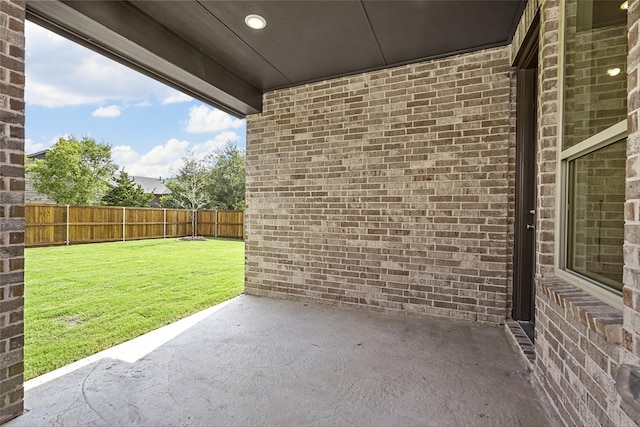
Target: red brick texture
x=389 y=189
x=11 y=207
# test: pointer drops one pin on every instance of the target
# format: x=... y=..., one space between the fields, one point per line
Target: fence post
x=124 y=224
x=215 y=225
x=195 y=223
x=67 y=225
x=164 y=226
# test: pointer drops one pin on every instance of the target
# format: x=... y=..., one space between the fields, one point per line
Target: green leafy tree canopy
x=227 y=185
x=75 y=172
x=188 y=189
x=216 y=181
x=126 y=193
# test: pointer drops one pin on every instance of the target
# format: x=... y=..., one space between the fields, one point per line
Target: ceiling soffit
x=204 y=49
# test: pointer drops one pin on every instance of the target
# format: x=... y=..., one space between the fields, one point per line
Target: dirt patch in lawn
x=70 y=320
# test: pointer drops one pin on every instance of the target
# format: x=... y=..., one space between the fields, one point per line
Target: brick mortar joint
x=599 y=317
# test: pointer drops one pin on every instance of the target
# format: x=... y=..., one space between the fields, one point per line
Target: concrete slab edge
x=132 y=350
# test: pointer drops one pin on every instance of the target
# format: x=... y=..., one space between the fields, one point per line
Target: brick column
x=12 y=15
x=631 y=331
x=547 y=137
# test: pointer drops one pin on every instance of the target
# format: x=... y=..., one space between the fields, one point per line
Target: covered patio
x=261 y=361
x=419 y=175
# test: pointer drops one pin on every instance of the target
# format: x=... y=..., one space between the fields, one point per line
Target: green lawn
x=83 y=299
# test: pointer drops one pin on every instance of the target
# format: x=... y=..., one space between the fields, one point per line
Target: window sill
x=599 y=317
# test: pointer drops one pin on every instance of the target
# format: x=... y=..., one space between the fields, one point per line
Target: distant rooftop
x=151 y=185
x=38 y=154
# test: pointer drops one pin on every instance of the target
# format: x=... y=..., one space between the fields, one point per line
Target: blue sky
x=71 y=90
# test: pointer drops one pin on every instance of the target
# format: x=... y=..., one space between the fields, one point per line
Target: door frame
x=523 y=308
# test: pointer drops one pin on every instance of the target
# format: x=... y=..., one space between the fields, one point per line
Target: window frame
x=600 y=140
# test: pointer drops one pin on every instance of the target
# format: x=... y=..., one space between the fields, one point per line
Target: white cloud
x=110 y=111
x=212 y=145
x=124 y=155
x=203 y=119
x=145 y=103
x=42 y=36
x=33 y=147
x=172 y=149
x=60 y=73
x=51 y=96
x=165 y=159
x=176 y=97
x=161 y=160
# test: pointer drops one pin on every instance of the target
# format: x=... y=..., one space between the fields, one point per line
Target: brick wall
x=577 y=355
x=547 y=137
x=388 y=189
x=11 y=207
x=580 y=342
x=631 y=274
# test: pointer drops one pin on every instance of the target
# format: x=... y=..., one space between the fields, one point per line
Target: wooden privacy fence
x=50 y=225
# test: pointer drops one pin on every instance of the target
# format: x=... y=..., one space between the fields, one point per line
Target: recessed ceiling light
x=625 y=5
x=613 y=71
x=256 y=22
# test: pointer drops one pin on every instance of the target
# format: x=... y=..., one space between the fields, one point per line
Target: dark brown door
x=524 y=249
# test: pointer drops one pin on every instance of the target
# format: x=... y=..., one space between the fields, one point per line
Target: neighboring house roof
x=38 y=155
x=151 y=185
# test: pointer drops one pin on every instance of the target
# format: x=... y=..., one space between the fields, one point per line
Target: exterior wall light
x=624 y=5
x=613 y=71
x=256 y=22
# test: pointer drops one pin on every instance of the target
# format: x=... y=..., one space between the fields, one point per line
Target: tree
x=126 y=193
x=227 y=186
x=75 y=172
x=188 y=189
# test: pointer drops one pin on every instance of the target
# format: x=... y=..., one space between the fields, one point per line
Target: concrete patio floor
x=260 y=361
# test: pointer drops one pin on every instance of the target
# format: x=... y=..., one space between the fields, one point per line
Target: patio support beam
x=123 y=33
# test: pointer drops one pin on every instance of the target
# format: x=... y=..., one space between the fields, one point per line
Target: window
x=596 y=214
x=594 y=140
